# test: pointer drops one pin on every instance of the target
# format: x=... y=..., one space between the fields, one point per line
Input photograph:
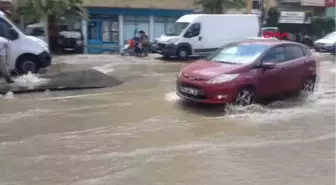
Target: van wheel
x=246 y=96
x=28 y=64
x=183 y=53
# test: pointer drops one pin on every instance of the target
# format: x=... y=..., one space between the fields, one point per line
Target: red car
x=243 y=72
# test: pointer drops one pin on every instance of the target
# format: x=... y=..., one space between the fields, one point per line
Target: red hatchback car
x=242 y=72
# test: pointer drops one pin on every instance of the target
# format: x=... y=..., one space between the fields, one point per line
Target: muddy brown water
x=141 y=133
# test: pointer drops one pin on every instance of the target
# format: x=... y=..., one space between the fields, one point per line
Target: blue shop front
x=109 y=28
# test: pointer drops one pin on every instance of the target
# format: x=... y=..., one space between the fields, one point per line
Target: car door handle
x=200 y=38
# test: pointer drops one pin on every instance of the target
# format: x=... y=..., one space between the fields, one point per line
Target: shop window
x=162 y=24
x=110 y=31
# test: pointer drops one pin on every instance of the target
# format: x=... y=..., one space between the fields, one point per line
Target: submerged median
x=71 y=80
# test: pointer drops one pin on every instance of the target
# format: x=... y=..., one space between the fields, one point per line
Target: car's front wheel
x=246 y=96
x=28 y=64
x=183 y=53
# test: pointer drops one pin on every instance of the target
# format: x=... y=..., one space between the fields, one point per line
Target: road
x=141 y=133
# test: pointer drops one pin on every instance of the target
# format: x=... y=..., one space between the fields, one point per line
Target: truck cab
x=26 y=53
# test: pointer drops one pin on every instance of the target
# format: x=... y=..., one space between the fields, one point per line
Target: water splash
x=171 y=97
x=9 y=95
x=106 y=69
x=30 y=80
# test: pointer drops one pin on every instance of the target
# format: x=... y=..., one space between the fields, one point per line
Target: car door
x=271 y=81
x=194 y=38
x=295 y=66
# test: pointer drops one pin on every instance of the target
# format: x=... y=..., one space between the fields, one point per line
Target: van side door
x=194 y=37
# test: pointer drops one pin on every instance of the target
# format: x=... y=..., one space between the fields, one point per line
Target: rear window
x=294 y=52
x=306 y=51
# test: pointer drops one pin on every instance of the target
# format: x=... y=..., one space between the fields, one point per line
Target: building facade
x=316 y=7
x=112 y=23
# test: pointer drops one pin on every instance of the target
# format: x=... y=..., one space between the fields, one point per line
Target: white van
x=26 y=53
x=201 y=34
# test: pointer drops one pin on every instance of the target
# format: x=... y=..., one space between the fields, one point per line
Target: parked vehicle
x=36 y=30
x=71 y=41
x=326 y=43
x=201 y=34
x=267 y=30
x=26 y=53
x=243 y=72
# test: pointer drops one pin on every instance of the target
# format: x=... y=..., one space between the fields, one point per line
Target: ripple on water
x=7 y=118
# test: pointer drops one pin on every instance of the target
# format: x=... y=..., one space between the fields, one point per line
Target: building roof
x=153 y=4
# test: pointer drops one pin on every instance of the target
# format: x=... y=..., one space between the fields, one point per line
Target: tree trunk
x=44 y=21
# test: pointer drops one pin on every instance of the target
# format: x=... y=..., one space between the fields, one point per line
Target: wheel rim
x=308 y=86
x=28 y=66
x=244 y=97
x=183 y=53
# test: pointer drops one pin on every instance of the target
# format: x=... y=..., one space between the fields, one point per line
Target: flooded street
x=140 y=133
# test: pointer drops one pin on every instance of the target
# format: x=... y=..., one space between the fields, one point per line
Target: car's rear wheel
x=246 y=96
x=308 y=85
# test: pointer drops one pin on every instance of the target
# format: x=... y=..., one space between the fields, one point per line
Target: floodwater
x=141 y=133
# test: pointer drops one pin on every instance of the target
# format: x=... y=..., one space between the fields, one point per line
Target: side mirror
x=12 y=34
x=268 y=65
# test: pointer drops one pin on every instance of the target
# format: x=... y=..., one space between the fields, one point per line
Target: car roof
x=268 y=42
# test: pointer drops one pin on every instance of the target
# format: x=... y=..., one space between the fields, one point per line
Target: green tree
x=49 y=11
x=219 y=6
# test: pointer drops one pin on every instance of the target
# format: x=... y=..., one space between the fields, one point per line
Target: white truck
x=26 y=53
x=201 y=34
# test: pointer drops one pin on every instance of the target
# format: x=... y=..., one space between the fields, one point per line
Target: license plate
x=69 y=49
x=189 y=91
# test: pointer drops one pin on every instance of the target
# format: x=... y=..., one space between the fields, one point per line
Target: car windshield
x=239 y=53
x=176 y=28
x=331 y=36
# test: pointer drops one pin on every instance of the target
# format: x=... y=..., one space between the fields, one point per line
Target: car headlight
x=223 y=78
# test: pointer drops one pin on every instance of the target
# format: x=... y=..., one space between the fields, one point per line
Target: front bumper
x=45 y=59
x=323 y=48
x=208 y=93
x=166 y=49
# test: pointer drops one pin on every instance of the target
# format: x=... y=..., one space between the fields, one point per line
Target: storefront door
x=94 y=37
x=103 y=35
